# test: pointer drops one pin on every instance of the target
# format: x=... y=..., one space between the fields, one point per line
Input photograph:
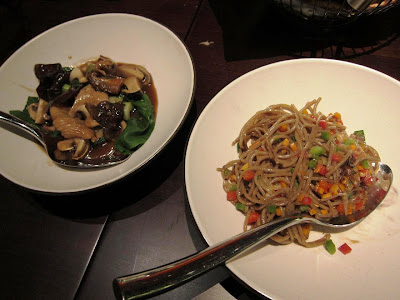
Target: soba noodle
x=293 y=161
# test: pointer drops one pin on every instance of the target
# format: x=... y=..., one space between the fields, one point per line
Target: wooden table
x=74 y=246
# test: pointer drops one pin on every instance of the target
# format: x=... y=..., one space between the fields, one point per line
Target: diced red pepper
x=368 y=180
x=321 y=169
x=337 y=157
x=253 y=217
x=231 y=196
x=345 y=249
x=340 y=208
x=323 y=124
x=248 y=175
x=306 y=201
x=381 y=194
x=358 y=204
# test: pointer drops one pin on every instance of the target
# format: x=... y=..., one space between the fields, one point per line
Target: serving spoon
x=39 y=136
x=161 y=279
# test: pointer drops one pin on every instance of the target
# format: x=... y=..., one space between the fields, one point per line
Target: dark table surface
x=73 y=246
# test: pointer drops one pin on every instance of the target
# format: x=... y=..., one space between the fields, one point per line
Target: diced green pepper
x=360 y=135
x=330 y=247
x=326 y=135
x=304 y=208
x=312 y=163
x=226 y=172
x=240 y=206
x=233 y=187
x=349 y=141
x=272 y=209
x=316 y=151
x=365 y=164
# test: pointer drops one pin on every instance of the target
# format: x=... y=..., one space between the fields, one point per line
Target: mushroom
x=89 y=121
x=76 y=73
x=132 y=85
x=130 y=70
x=111 y=85
x=78 y=145
x=38 y=111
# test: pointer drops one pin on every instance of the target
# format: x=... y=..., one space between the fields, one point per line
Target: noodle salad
x=298 y=161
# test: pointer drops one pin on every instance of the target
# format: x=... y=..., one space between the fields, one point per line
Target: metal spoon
x=161 y=279
x=38 y=135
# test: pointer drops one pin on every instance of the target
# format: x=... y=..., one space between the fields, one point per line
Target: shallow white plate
x=122 y=37
x=367 y=100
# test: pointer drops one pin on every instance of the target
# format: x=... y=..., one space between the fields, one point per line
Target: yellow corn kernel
x=337 y=115
x=283 y=127
x=232 y=177
x=342 y=187
x=283 y=184
x=334 y=189
x=285 y=142
x=345 y=180
x=320 y=190
x=300 y=197
x=312 y=211
x=293 y=146
x=327 y=195
x=360 y=167
x=305 y=112
x=324 y=211
x=278 y=212
x=306 y=231
x=245 y=166
x=353 y=147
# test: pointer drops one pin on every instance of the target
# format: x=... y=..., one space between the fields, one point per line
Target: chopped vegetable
x=323 y=124
x=330 y=247
x=253 y=217
x=240 y=206
x=312 y=163
x=316 y=151
x=337 y=157
x=306 y=201
x=231 y=196
x=326 y=136
x=365 y=164
x=272 y=209
x=248 y=175
x=349 y=141
x=345 y=249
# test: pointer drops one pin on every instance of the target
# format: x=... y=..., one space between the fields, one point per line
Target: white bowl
x=367 y=100
x=122 y=37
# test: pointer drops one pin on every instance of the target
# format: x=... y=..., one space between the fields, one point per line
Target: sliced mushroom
x=38 y=111
x=111 y=85
x=89 y=121
x=132 y=85
x=76 y=73
x=79 y=146
x=132 y=70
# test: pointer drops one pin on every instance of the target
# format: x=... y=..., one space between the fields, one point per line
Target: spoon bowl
x=161 y=279
x=40 y=137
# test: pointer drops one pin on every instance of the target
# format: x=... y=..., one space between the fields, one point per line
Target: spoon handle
x=161 y=279
x=9 y=119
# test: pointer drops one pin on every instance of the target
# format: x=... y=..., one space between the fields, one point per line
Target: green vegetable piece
x=233 y=187
x=237 y=147
x=90 y=68
x=360 y=135
x=316 y=151
x=138 y=130
x=115 y=99
x=326 y=135
x=240 y=206
x=304 y=208
x=312 y=163
x=349 y=141
x=128 y=107
x=226 y=172
x=330 y=247
x=272 y=209
x=65 y=88
x=365 y=164
x=24 y=114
